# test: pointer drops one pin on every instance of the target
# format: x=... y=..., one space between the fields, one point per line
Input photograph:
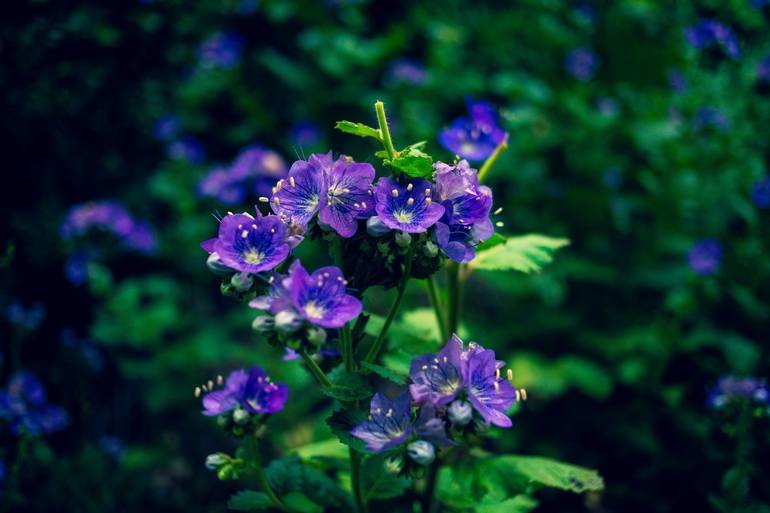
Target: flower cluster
x=581 y=63
x=458 y=389
x=705 y=257
x=711 y=33
x=24 y=405
x=254 y=171
x=113 y=217
x=474 y=137
x=221 y=50
x=730 y=389
x=760 y=193
x=244 y=398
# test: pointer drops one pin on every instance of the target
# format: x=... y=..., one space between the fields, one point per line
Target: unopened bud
x=316 y=336
x=430 y=249
x=375 y=227
x=216 y=460
x=403 y=239
x=242 y=282
x=215 y=264
x=422 y=452
x=263 y=324
x=460 y=412
x=240 y=416
x=393 y=465
x=287 y=321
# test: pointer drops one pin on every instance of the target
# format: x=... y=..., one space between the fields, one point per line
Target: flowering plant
x=411 y=219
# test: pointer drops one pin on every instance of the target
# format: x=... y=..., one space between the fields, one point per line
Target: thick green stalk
x=314 y=369
x=256 y=465
x=355 y=480
x=382 y=120
x=378 y=343
x=430 y=502
x=437 y=307
x=453 y=315
x=487 y=165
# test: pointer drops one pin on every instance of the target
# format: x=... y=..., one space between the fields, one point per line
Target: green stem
x=355 y=480
x=384 y=130
x=314 y=369
x=487 y=165
x=378 y=343
x=347 y=348
x=431 y=504
x=437 y=306
x=453 y=316
x=261 y=477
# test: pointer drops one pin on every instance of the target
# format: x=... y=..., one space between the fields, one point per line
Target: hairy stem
x=378 y=343
x=435 y=300
x=314 y=369
x=256 y=465
x=487 y=165
x=384 y=130
x=355 y=480
x=455 y=299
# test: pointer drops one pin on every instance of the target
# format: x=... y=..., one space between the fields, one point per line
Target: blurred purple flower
x=24 y=405
x=186 y=149
x=760 y=193
x=705 y=257
x=763 y=70
x=27 y=318
x=253 y=390
x=167 y=127
x=306 y=133
x=581 y=63
x=221 y=50
x=111 y=216
x=254 y=171
x=731 y=388
x=710 y=117
x=112 y=446
x=475 y=137
x=710 y=33
x=407 y=71
x=677 y=81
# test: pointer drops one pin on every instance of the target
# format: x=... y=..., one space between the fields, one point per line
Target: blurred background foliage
x=624 y=137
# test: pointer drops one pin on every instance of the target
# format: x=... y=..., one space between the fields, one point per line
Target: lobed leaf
x=526 y=253
x=347 y=386
x=249 y=500
x=384 y=372
x=358 y=129
x=341 y=422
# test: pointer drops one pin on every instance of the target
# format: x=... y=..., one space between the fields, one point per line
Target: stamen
x=446 y=359
x=509 y=374
x=197 y=392
x=254 y=226
x=498 y=211
x=345 y=190
x=427 y=192
x=369 y=192
x=326 y=275
x=389 y=413
x=275 y=190
x=523 y=393
x=271 y=279
x=497 y=373
x=276 y=201
x=428 y=201
x=245 y=233
x=363 y=204
x=410 y=187
x=219 y=379
x=328 y=203
x=497 y=386
x=395 y=193
x=499 y=224
x=291 y=181
x=345 y=282
x=263 y=199
x=230 y=213
x=424 y=367
x=240 y=227
x=210 y=384
x=410 y=201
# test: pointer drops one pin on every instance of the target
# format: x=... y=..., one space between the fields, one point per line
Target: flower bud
x=460 y=412
x=393 y=464
x=383 y=247
x=215 y=264
x=216 y=460
x=403 y=239
x=240 y=416
x=422 y=452
x=242 y=282
x=430 y=249
x=375 y=227
x=316 y=336
x=263 y=324
x=287 y=321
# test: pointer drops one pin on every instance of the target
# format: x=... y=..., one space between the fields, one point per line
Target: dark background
x=617 y=342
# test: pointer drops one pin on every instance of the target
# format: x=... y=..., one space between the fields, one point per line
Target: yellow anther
x=389 y=413
x=509 y=374
x=410 y=201
x=363 y=204
x=427 y=201
x=219 y=379
x=291 y=181
x=427 y=192
x=197 y=391
x=210 y=384
x=523 y=394
x=499 y=224
x=263 y=199
x=276 y=201
x=410 y=187
x=497 y=373
x=498 y=211
x=245 y=233
x=394 y=192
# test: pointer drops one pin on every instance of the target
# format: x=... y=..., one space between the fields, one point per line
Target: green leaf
x=288 y=476
x=298 y=502
x=548 y=472
x=516 y=504
x=384 y=372
x=347 y=386
x=358 y=129
x=330 y=448
x=249 y=500
x=342 y=422
x=379 y=482
x=412 y=162
x=526 y=253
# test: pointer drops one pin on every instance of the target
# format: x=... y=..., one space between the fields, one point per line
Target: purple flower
x=278 y=297
x=705 y=256
x=456 y=371
x=167 y=127
x=760 y=193
x=389 y=423
x=113 y=217
x=709 y=33
x=24 y=405
x=467 y=204
x=581 y=63
x=475 y=137
x=248 y=244
x=340 y=191
x=731 y=388
x=321 y=298
x=306 y=133
x=407 y=71
x=252 y=390
x=763 y=70
x=253 y=171
x=186 y=149
x=407 y=207
x=221 y=50
x=677 y=81
x=710 y=117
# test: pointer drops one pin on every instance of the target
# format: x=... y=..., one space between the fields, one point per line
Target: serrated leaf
x=330 y=448
x=347 y=386
x=249 y=500
x=358 y=129
x=412 y=162
x=384 y=372
x=526 y=253
x=378 y=482
x=548 y=472
x=288 y=476
x=342 y=422
x=298 y=502
x=516 y=504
